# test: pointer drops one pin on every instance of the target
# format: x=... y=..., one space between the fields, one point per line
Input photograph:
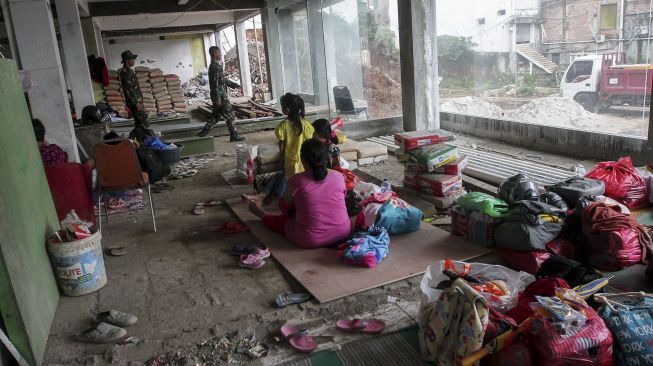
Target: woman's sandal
x=367 y=326
x=290 y=298
x=251 y=261
x=199 y=209
x=299 y=340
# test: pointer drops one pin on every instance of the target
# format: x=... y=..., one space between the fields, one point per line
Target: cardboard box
x=413 y=140
x=434 y=156
x=440 y=185
x=456 y=167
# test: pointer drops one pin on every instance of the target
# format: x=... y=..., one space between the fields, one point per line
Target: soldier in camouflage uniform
x=218 y=84
x=132 y=92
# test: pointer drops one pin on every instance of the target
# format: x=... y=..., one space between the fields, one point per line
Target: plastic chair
x=118 y=170
x=344 y=102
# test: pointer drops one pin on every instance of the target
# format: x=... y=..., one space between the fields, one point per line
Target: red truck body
x=624 y=81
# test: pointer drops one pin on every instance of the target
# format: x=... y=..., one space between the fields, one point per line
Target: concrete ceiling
x=133 y=15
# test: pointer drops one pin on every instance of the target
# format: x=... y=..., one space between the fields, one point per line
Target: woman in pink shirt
x=314 y=212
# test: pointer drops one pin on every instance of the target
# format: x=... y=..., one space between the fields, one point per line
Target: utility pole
x=564 y=20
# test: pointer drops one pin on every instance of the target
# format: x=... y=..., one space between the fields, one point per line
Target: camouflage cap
x=128 y=55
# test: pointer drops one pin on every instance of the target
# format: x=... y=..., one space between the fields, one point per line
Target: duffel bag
x=573 y=189
x=529 y=225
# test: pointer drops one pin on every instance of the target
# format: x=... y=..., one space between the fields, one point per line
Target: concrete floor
x=186 y=287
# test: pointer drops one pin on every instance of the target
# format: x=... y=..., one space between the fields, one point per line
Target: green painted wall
x=28 y=291
x=89 y=36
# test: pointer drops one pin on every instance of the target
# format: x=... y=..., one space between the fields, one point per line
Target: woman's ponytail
x=315 y=155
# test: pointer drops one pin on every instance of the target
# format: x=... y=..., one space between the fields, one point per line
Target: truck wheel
x=587 y=101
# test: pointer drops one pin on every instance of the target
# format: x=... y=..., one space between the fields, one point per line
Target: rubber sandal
x=117 y=251
x=233 y=228
x=251 y=261
x=290 y=298
x=299 y=340
x=199 y=209
x=102 y=333
x=117 y=318
x=367 y=326
x=190 y=173
x=213 y=203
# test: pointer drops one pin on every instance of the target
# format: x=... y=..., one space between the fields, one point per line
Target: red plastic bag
x=528 y=261
x=350 y=178
x=622 y=182
x=561 y=247
x=591 y=344
x=612 y=250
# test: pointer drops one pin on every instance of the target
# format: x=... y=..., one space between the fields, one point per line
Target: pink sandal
x=299 y=340
x=251 y=261
x=367 y=326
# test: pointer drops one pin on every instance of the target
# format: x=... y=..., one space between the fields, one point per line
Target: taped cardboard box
x=434 y=156
x=413 y=140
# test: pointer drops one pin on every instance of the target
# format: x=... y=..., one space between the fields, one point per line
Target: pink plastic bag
x=622 y=182
x=527 y=261
x=612 y=250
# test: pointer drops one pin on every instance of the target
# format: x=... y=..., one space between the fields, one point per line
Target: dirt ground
x=186 y=287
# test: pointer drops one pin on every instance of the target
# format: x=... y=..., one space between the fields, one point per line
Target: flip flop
x=251 y=261
x=190 y=173
x=102 y=333
x=290 y=298
x=117 y=251
x=117 y=318
x=230 y=227
x=213 y=203
x=199 y=209
x=299 y=340
x=367 y=326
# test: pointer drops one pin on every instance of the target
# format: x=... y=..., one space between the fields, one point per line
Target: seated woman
x=318 y=198
x=50 y=153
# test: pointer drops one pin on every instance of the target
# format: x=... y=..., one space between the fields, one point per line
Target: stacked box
x=432 y=167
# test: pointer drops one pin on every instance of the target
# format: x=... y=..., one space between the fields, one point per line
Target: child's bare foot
x=256 y=209
x=258 y=198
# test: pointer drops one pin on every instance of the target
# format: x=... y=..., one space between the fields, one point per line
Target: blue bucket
x=79 y=265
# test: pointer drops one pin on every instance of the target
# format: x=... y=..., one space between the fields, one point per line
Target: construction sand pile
x=557 y=111
x=472 y=105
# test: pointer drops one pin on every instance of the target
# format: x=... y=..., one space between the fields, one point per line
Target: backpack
x=573 y=189
x=453 y=327
x=518 y=188
x=152 y=165
x=529 y=225
x=554 y=199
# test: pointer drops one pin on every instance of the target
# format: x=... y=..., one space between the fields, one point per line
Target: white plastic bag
x=245 y=167
x=367 y=189
x=515 y=282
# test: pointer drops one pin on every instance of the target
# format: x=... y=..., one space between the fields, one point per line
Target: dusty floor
x=185 y=286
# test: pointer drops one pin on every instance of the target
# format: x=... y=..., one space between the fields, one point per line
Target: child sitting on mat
x=291 y=132
x=314 y=213
x=327 y=136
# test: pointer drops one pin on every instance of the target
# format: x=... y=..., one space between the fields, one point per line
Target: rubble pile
x=259 y=76
x=557 y=111
x=472 y=105
x=244 y=109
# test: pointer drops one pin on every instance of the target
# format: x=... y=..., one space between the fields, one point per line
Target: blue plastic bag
x=399 y=218
x=366 y=248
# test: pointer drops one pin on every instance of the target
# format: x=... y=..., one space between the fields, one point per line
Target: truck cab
x=581 y=81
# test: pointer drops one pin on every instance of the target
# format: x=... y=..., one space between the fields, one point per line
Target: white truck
x=600 y=81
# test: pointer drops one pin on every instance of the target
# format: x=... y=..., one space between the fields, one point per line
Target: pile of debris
x=258 y=74
x=472 y=105
x=196 y=88
x=244 y=108
x=558 y=111
x=226 y=350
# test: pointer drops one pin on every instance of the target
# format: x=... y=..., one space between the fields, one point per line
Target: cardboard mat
x=327 y=278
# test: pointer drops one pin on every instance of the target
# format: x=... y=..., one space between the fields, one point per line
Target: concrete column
x=288 y=56
x=419 y=65
x=218 y=42
x=72 y=38
x=243 y=57
x=99 y=42
x=273 y=46
x=10 y=31
x=37 y=46
x=317 y=40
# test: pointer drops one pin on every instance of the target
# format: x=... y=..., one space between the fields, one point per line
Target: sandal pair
x=199 y=207
x=110 y=327
x=255 y=259
x=301 y=341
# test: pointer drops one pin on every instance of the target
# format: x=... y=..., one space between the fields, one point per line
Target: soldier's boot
x=207 y=128
x=235 y=137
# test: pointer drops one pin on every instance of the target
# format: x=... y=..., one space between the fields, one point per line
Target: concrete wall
x=173 y=55
x=576 y=143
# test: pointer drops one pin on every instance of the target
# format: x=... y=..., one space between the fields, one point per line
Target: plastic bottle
x=385 y=186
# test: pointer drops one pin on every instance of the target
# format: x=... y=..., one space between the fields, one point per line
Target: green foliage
x=384 y=39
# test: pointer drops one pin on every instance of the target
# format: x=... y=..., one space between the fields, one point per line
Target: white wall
x=173 y=56
x=459 y=18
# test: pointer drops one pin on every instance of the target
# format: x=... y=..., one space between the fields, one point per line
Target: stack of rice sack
x=160 y=91
x=176 y=94
x=113 y=94
x=432 y=167
x=143 y=76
